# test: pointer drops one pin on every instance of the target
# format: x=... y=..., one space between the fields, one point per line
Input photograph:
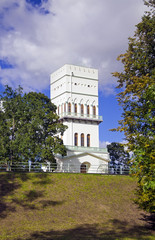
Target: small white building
x=74 y=90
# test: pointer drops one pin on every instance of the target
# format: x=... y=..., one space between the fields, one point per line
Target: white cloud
x=104 y=144
x=84 y=32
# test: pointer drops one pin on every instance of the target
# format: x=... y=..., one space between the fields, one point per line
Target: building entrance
x=83 y=168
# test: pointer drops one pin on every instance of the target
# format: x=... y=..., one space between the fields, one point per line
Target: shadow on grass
x=10 y=182
x=46 y=203
x=149 y=219
x=29 y=204
x=7 y=186
x=113 y=230
x=43 y=179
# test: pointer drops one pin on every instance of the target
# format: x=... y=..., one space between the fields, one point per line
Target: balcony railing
x=87 y=149
x=79 y=115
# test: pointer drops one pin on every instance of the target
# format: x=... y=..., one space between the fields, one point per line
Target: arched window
x=88 y=110
x=69 y=107
x=82 y=139
x=76 y=139
x=94 y=111
x=88 y=140
x=82 y=110
x=64 y=107
x=61 y=108
x=75 y=108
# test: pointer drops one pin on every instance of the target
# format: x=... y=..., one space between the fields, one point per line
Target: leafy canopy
x=29 y=127
x=118 y=155
x=137 y=98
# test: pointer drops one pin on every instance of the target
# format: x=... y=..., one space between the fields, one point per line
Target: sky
x=39 y=36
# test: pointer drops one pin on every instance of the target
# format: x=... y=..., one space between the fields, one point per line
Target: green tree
x=137 y=98
x=29 y=127
x=118 y=155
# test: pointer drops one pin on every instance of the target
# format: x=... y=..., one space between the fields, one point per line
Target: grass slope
x=70 y=207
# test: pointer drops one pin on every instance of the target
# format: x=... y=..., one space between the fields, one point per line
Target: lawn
x=50 y=206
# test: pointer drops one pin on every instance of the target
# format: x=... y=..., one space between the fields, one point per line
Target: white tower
x=74 y=90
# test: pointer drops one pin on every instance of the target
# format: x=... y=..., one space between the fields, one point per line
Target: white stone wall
x=76 y=99
x=79 y=85
x=79 y=71
x=76 y=85
x=103 y=155
x=94 y=164
x=81 y=127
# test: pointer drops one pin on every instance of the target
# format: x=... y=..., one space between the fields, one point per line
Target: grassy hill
x=47 y=206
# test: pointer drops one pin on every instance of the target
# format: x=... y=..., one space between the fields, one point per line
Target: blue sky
x=39 y=36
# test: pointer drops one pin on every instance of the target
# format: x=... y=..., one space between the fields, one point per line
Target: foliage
x=29 y=127
x=117 y=154
x=137 y=100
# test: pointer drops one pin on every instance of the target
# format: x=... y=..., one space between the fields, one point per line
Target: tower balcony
x=79 y=116
x=86 y=149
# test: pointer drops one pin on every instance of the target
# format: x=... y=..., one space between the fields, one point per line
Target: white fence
x=53 y=167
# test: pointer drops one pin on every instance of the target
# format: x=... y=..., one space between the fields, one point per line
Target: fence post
x=121 y=169
x=8 y=166
x=29 y=166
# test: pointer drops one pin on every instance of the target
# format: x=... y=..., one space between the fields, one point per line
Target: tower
x=74 y=90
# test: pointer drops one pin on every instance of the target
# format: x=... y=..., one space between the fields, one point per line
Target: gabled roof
x=84 y=154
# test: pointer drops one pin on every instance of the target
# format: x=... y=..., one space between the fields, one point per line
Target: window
x=82 y=139
x=88 y=140
x=82 y=109
x=76 y=139
x=94 y=110
x=88 y=110
x=75 y=108
x=69 y=107
x=64 y=107
x=61 y=108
